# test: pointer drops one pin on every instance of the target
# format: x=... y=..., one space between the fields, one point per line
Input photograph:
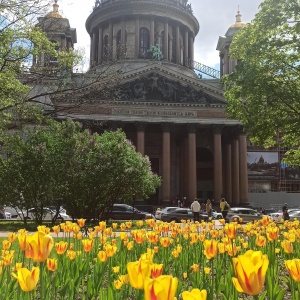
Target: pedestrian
x=208 y=208
x=179 y=202
x=195 y=207
x=224 y=206
x=285 y=212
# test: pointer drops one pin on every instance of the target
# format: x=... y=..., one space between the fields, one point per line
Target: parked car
x=14 y=212
x=159 y=212
x=61 y=209
x=246 y=214
x=216 y=215
x=48 y=215
x=125 y=212
x=278 y=216
x=179 y=214
x=146 y=208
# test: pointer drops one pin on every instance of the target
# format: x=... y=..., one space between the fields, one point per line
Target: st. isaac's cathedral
x=169 y=106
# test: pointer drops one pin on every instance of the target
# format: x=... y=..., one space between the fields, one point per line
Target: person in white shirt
x=195 y=207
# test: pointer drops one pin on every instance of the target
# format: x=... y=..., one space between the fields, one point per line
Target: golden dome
x=54 y=13
x=238 y=23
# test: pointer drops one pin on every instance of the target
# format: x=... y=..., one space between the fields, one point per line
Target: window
x=144 y=42
x=121 y=46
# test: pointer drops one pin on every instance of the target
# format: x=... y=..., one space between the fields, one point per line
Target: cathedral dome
x=54 y=13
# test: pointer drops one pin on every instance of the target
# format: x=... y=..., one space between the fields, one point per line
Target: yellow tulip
x=102 y=256
x=114 y=225
x=81 y=222
x=210 y=248
x=71 y=254
x=110 y=250
x=124 y=278
x=118 y=284
x=87 y=245
x=231 y=230
x=6 y=244
x=287 y=246
x=39 y=246
x=161 y=288
x=156 y=270
x=61 y=247
x=116 y=269
x=272 y=233
x=11 y=236
x=206 y=270
x=102 y=225
x=27 y=279
x=138 y=271
x=8 y=257
x=250 y=271
x=51 y=264
x=56 y=229
x=194 y=294
x=195 y=268
x=260 y=241
x=18 y=266
x=293 y=267
x=22 y=238
x=184 y=275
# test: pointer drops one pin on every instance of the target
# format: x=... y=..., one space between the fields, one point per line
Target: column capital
x=192 y=128
x=140 y=126
x=217 y=129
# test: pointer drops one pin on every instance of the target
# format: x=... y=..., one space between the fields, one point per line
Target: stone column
x=235 y=172
x=141 y=126
x=217 y=130
x=110 y=40
x=166 y=163
x=123 y=32
x=177 y=43
x=228 y=173
x=152 y=32
x=221 y=65
x=191 y=51
x=137 y=38
x=63 y=43
x=192 y=163
x=186 y=48
x=166 y=41
x=100 y=45
x=93 y=48
x=243 y=169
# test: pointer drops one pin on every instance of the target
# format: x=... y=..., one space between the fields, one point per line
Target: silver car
x=159 y=212
x=246 y=214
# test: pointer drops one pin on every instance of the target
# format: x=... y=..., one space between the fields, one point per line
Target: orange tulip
x=156 y=270
x=293 y=267
x=22 y=238
x=11 y=236
x=250 y=271
x=231 y=230
x=27 y=279
x=51 y=264
x=195 y=268
x=260 y=241
x=87 y=245
x=81 y=222
x=61 y=247
x=194 y=294
x=272 y=233
x=39 y=246
x=210 y=248
x=161 y=288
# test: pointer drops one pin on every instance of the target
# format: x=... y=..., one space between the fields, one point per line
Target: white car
x=14 y=212
x=278 y=216
x=247 y=214
x=216 y=215
x=48 y=215
x=162 y=211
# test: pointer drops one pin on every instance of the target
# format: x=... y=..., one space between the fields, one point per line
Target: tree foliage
x=264 y=90
x=63 y=164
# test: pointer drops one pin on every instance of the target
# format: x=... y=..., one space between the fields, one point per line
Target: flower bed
x=159 y=261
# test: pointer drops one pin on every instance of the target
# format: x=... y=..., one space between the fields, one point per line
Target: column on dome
x=123 y=32
x=166 y=163
x=141 y=126
x=166 y=41
x=93 y=48
x=186 y=48
x=152 y=31
x=110 y=40
x=137 y=37
x=235 y=171
x=218 y=172
x=100 y=45
x=228 y=172
x=191 y=51
x=177 y=43
x=243 y=169
x=192 y=162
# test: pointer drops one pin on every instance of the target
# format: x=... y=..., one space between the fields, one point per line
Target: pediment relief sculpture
x=157 y=88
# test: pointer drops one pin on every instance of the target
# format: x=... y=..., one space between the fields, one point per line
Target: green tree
x=63 y=164
x=264 y=90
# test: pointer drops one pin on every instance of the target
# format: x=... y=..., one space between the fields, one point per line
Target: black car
x=181 y=214
x=124 y=212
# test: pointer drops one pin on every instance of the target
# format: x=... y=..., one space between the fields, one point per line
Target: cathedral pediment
x=154 y=87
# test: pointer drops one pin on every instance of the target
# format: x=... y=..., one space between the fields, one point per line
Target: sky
x=214 y=17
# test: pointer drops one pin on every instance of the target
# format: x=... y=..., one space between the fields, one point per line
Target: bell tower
x=226 y=64
x=58 y=30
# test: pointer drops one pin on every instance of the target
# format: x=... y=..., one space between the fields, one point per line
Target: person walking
x=209 y=208
x=224 y=206
x=285 y=212
x=195 y=207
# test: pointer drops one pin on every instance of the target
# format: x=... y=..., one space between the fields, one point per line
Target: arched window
x=144 y=42
x=105 y=47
